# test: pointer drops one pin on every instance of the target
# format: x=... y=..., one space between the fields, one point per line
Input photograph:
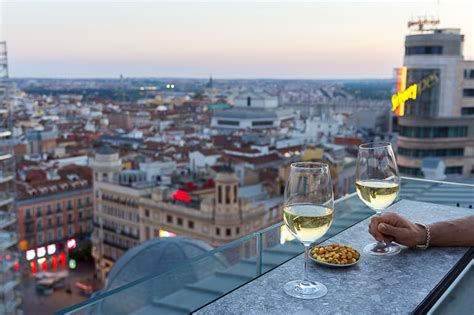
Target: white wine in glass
x=377 y=185
x=308 y=214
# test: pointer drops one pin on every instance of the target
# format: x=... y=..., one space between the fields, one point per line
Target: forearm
x=453 y=233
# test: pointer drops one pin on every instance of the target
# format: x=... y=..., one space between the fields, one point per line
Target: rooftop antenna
x=423 y=24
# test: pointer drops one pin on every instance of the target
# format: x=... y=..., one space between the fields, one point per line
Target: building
x=435 y=103
x=129 y=210
x=10 y=276
x=55 y=208
x=252 y=110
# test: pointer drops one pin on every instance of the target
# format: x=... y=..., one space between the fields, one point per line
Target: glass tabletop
x=204 y=279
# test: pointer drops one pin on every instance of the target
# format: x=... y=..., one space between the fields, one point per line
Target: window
x=427 y=102
x=228 y=232
x=468 y=93
x=50 y=222
x=467 y=111
x=79 y=203
x=468 y=73
x=424 y=50
x=39 y=223
x=422 y=153
x=48 y=209
x=249 y=101
x=219 y=194
x=105 y=177
x=50 y=236
x=69 y=218
x=453 y=170
x=60 y=234
x=262 y=123
x=38 y=211
x=235 y=193
x=58 y=206
x=169 y=219
x=218 y=231
x=28 y=213
x=180 y=221
x=228 y=122
x=147 y=213
x=237 y=230
x=59 y=220
x=227 y=194
x=70 y=230
x=40 y=238
x=433 y=132
x=191 y=224
x=414 y=171
x=69 y=204
x=88 y=201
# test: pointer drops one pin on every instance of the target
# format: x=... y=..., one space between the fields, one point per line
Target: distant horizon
x=322 y=40
x=202 y=78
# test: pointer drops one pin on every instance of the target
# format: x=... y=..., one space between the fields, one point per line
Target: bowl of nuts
x=335 y=255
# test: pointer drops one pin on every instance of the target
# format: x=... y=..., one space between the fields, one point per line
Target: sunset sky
x=322 y=40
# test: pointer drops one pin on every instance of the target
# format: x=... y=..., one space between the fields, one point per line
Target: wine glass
x=378 y=184
x=308 y=214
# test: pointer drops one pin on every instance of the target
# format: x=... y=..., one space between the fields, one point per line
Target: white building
x=203 y=159
x=256 y=100
x=252 y=110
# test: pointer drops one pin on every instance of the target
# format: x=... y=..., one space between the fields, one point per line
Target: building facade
x=438 y=118
x=10 y=276
x=130 y=210
x=54 y=214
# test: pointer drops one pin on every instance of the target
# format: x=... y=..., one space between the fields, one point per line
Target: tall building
x=435 y=104
x=130 y=209
x=10 y=276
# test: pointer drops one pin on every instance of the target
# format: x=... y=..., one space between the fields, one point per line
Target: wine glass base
x=305 y=289
x=388 y=250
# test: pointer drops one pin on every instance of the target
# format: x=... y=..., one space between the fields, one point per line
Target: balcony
x=7 y=240
x=6 y=198
x=6 y=219
x=257 y=265
x=6 y=176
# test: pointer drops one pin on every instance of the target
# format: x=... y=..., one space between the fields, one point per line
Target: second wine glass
x=378 y=185
x=308 y=214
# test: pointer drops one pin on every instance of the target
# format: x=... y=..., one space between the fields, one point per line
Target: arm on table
x=393 y=227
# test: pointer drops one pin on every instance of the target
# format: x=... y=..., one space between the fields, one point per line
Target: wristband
x=428 y=236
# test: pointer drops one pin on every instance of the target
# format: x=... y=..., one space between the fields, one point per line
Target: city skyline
x=230 y=40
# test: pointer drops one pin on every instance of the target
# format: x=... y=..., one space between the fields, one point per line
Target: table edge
x=436 y=293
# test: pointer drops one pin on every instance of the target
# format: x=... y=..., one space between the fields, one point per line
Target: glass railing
x=200 y=280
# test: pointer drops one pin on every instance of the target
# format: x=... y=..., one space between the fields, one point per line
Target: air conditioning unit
x=433 y=168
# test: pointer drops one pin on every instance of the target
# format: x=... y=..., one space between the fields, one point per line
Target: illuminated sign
x=51 y=249
x=404 y=94
x=41 y=251
x=71 y=244
x=30 y=254
x=181 y=195
x=399 y=99
x=163 y=233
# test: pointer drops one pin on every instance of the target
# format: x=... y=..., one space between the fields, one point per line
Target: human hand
x=391 y=227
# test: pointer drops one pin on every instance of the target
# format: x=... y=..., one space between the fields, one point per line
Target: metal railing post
x=259 y=254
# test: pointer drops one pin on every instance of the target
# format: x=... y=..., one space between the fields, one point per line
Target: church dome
x=152 y=259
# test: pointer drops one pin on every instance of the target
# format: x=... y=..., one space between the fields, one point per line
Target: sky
x=239 y=39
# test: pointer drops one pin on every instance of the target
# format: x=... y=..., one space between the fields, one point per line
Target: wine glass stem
x=380 y=244
x=306 y=262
